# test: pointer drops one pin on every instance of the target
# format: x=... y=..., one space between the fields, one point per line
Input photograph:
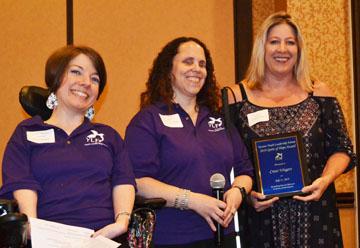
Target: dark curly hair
x=59 y=60
x=159 y=87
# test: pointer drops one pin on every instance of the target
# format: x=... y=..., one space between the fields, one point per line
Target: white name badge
x=173 y=121
x=258 y=116
x=41 y=137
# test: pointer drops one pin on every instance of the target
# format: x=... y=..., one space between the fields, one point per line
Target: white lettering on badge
x=172 y=121
x=258 y=116
x=41 y=137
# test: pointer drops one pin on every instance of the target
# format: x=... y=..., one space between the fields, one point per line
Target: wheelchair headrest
x=33 y=100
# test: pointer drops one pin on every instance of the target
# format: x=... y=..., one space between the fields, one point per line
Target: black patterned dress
x=292 y=223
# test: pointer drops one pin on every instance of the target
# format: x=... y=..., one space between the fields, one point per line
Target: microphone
x=217 y=183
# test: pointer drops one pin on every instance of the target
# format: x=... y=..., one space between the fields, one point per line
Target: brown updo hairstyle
x=58 y=62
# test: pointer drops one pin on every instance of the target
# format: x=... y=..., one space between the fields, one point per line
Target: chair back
x=33 y=100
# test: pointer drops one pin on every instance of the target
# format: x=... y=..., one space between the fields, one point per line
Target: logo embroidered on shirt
x=95 y=138
x=215 y=124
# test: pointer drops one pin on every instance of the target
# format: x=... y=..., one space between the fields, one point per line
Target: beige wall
x=128 y=34
x=29 y=31
x=348 y=227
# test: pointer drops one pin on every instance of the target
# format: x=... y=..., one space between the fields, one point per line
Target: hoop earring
x=52 y=101
x=90 y=113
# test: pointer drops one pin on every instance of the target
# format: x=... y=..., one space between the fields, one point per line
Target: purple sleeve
x=16 y=167
x=242 y=163
x=142 y=145
x=122 y=171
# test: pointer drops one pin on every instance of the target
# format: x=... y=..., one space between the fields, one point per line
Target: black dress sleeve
x=336 y=135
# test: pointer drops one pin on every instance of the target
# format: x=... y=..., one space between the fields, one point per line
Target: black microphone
x=217 y=183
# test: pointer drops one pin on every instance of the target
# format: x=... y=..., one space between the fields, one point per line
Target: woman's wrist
x=242 y=191
x=328 y=179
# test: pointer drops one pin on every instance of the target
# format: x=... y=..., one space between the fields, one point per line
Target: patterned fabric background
x=326 y=28
x=261 y=9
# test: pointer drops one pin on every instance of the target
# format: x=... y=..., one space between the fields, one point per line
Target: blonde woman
x=278 y=84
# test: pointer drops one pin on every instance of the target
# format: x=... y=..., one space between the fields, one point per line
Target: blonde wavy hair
x=256 y=72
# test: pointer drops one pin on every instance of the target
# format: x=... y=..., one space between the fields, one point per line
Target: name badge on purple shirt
x=173 y=121
x=41 y=137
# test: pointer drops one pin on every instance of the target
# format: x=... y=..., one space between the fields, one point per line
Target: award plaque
x=279 y=165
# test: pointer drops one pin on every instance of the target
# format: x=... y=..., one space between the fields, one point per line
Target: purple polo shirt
x=73 y=174
x=169 y=148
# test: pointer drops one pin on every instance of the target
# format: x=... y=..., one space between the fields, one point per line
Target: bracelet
x=176 y=202
x=242 y=192
x=182 y=199
x=122 y=213
x=184 y=203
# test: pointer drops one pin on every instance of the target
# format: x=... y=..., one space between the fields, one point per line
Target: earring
x=90 y=113
x=52 y=101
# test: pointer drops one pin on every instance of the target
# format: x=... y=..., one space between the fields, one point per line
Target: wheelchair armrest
x=152 y=203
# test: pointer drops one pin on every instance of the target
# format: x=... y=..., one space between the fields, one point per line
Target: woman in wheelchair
x=177 y=142
x=68 y=169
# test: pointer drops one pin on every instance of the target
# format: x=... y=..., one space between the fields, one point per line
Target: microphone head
x=217 y=181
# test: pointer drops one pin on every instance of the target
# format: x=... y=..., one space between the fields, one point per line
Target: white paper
x=173 y=121
x=41 y=137
x=48 y=234
x=258 y=116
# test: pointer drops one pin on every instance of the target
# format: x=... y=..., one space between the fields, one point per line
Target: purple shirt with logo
x=169 y=148
x=73 y=175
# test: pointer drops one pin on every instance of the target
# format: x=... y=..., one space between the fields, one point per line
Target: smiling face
x=79 y=87
x=188 y=71
x=281 y=51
